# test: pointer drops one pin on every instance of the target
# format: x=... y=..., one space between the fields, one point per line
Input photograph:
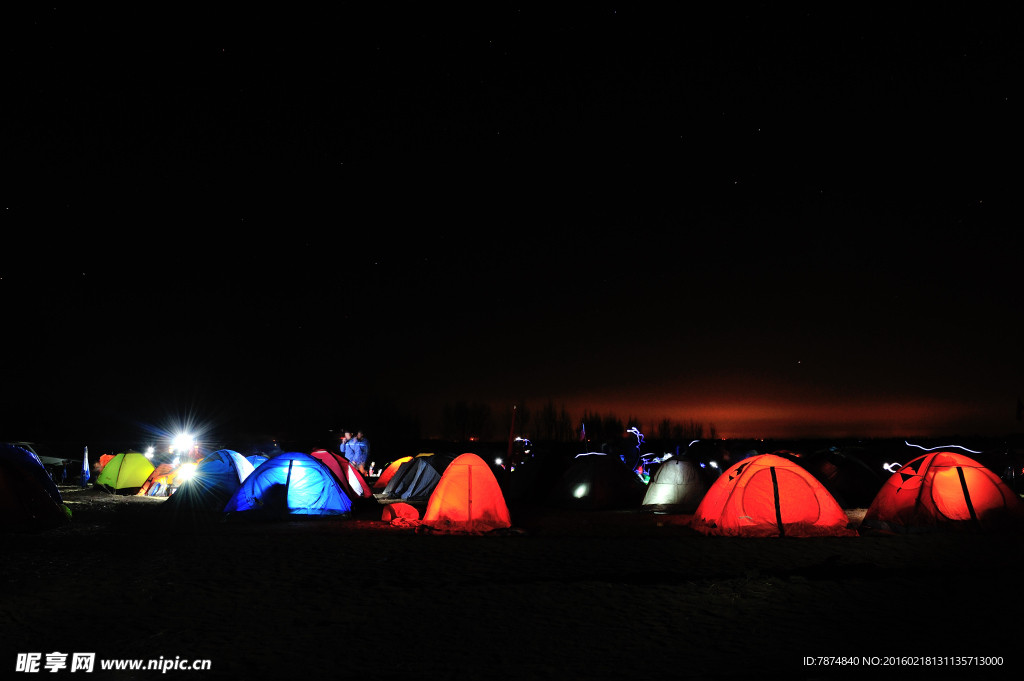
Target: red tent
x=389 y=473
x=945 y=490
x=769 y=496
x=344 y=472
x=400 y=511
x=467 y=499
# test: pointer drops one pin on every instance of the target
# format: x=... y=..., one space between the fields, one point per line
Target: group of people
x=356 y=449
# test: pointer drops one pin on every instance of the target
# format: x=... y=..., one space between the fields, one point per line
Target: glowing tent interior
x=467 y=500
x=350 y=480
x=678 y=486
x=769 y=496
x=125 y=473
x=945 y=490
x=290 y=484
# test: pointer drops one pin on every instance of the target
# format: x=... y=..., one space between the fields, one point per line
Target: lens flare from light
x=186 y=471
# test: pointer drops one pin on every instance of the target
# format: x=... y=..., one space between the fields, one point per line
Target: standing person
x=364 y=451
x=350 y=449
x=345 y=437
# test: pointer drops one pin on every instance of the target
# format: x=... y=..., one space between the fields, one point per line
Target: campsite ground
x=613 y=594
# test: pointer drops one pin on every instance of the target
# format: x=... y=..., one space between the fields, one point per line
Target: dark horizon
x=785 y=224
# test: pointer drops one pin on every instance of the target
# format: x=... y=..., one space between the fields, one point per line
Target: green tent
x=125 y=473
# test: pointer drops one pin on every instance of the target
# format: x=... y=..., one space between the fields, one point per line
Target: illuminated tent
x=211 y=484
x=125 y=473
x=678 y=486
x=415 y=480
x=29 y=500
x=100 y=464
x=467 y=499
x=159 y=480
x=399 y=511
x=945 y=490
x=354 y=480
x=347 y=476
x=595 y=481
x=769 y=496
x=388 y=473
x=256 y=459
x=290 y=484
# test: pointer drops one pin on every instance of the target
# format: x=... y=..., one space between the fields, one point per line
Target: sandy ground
x=589 y=595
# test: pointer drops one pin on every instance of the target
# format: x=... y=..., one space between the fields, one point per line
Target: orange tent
x=769 y=496
x=945 y=490
x=389 y=473
x=165 y=471
x=467 y=499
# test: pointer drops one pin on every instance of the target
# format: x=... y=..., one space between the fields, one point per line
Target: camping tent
x=256 y=459
x=596 y=481
x=415 y=480
x=163 y=477
x=30 y=461
x=290 y=484
x=945 y=490
x=847 y=478
x=28 y=498
x=678 y=486
x=467 y=499
x=769 y=496
x=386 y=476
x=125 y=473
x=211 y=484
x=350 y=480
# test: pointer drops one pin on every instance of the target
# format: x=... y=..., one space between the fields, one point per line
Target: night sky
x=786 y=224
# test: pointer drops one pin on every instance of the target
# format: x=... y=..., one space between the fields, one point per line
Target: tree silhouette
x=463 y=421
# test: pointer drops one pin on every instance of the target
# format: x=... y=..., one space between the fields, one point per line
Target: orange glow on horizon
x=768 y=418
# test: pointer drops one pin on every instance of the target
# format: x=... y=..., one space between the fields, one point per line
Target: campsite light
x=186 y=471
x=497 y=461
x=183 y=443
x=149 y=453
x=714 y=464
x=580 y=491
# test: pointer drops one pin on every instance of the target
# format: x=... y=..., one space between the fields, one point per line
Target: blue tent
x=290 y=484
x=28 y=498
x=256 y=459
x=30 y=463
x=212 y=483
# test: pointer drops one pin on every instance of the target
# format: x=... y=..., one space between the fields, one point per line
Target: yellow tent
x=125 y=473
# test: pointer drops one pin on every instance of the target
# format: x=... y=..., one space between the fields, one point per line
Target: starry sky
x=787 y=224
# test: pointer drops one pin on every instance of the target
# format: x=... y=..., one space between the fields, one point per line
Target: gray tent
x=413 y=481
x=677 y=487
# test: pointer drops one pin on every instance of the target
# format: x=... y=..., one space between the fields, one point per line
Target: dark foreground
x=577 y=595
